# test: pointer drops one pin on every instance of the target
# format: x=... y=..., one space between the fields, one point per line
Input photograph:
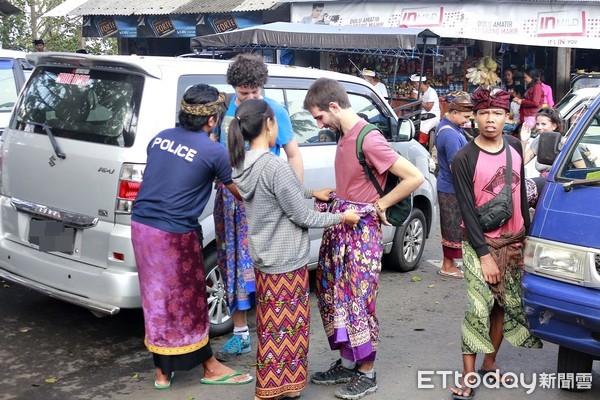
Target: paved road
x=52 y=350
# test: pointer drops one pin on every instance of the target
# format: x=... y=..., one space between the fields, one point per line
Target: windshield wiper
x=567 y=186
x=57 y=150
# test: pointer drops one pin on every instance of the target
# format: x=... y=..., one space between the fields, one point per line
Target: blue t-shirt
x=285 y=133
x=448 y=141
x=178 y=179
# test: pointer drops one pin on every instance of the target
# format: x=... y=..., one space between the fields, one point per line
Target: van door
x=570 y=193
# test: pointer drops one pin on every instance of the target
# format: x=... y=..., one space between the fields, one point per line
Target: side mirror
x=406 y=130
x=548 y=147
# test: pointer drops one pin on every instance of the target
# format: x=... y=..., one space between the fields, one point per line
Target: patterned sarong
x=450 y=220
x=283 y=325
x=480 y=300
x=233 y=249
x=173 y=289
x=347 y=282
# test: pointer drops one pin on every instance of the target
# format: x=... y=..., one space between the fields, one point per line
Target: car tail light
x=129 y=186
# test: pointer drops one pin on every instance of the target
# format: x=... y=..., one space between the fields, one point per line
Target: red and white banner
x=539 y=24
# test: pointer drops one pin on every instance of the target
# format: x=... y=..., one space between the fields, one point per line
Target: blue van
x=562 y=256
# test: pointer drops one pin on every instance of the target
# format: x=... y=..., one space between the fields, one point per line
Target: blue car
x=562 y=257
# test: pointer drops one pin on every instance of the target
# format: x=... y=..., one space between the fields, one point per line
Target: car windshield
x=82 y=104
x=8 y=86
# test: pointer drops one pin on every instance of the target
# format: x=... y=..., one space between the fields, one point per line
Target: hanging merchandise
x=484 y=73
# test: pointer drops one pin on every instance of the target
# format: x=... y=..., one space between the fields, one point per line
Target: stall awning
x=350 y=39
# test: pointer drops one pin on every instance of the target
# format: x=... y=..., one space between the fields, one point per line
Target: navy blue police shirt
x=178 y=179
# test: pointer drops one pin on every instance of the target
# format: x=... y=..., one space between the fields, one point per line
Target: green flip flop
x=226 y=380
x=166 y=385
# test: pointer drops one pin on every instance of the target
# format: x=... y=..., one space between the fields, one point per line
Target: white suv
x=75 y=150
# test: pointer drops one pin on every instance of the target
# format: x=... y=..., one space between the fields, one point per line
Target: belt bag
x=493 y=214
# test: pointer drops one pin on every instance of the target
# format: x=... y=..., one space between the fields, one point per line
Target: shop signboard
x=106 y=26
x=166 y=26
x=542 y=24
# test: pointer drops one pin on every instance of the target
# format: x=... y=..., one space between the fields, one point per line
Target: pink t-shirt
x=489 y=179
x=351 y=181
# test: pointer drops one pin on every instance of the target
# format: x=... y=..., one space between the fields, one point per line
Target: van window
x=82 y=104
x=305 y=126
x=8 y=86
x=583 y=158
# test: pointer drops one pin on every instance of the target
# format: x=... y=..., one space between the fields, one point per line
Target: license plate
x=52 y=236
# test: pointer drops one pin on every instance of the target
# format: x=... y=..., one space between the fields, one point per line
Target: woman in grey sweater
x=278 y=222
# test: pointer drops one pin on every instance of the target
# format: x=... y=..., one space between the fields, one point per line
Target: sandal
x=463 y=396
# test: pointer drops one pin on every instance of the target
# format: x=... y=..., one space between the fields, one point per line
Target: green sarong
x=480 y=300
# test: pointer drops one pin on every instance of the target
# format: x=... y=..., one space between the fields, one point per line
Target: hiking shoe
x=234 y=347
x=334 y=375
x=358 y=387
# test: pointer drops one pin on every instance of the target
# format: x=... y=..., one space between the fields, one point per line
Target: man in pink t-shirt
x=350 y=258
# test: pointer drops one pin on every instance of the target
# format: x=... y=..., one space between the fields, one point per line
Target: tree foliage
x=59 y=33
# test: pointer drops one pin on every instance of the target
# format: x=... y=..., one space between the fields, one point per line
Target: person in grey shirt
x=278 y=222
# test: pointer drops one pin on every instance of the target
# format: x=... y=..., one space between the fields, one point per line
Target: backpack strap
x=361 y=156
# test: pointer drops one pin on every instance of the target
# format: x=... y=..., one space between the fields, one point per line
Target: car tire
x=219 y=315
x=409 y=243
x=573 y=362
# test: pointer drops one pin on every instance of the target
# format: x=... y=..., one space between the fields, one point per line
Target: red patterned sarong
x=283 y=324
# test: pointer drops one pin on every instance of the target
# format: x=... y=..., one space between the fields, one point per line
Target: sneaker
x=358 y=387
x=334 y=375
x=234 y=347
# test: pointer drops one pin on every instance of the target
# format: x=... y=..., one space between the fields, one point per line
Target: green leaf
x=50 y=380
x=416 y=278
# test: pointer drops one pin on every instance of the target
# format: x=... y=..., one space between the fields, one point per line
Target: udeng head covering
x=486 y=97
x=368 y=72
x=204 y=109
x=418 y=78
x=461 y=103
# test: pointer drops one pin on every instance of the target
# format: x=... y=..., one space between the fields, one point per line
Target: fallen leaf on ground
x=50 y=380
x=430 y=286
x=135 y=376
x=416 y=278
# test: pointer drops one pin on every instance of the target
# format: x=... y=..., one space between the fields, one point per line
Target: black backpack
x=399 y=212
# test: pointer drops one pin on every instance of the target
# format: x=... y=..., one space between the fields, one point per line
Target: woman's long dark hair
x=534 y=74
x=250 y=118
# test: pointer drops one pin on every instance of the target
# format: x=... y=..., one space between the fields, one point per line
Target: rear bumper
x=562 y=313
x=104 y=290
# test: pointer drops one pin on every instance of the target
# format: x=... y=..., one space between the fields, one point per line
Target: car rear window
x=76 y=103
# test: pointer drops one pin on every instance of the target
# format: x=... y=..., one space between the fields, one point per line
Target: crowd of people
x=262 y=222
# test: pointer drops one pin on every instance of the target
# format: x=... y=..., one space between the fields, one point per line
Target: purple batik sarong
x=173 y=289
x=347 y=282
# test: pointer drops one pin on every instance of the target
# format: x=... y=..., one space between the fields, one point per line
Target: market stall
x=396 y=52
